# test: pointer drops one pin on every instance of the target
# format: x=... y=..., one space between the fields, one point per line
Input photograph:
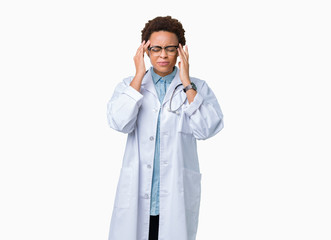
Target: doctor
x=164 y=111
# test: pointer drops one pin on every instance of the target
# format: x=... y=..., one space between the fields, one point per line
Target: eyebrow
x=166 y=46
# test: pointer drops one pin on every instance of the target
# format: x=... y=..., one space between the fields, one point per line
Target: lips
x=163 y=63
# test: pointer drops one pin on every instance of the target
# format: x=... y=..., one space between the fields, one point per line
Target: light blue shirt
x=161 y=85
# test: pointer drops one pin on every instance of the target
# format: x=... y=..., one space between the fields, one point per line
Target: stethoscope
x=172 y=95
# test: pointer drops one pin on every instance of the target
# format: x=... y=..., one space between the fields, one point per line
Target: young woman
x=164 y=111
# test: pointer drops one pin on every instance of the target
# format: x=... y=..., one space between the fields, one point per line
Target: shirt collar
x=168 y=78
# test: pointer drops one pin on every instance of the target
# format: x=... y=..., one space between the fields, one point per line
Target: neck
x=162 y=74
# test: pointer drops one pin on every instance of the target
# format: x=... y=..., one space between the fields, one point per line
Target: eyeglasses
x=156 y=50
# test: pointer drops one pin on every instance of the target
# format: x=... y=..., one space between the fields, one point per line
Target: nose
x=163 y=53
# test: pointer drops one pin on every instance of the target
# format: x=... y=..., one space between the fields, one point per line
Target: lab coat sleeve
x=204 y=114
x=123 y=108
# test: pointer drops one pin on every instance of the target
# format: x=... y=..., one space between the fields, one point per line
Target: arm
x=184 y=71
x=123 y=108
x=204 y=114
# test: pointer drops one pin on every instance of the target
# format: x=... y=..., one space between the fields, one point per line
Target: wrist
x=189 y=87
x=186 y=82
x=140 y=74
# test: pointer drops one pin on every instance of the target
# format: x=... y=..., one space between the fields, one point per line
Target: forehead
x=163 y=38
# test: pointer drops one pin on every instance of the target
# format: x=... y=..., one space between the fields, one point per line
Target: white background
x=265 y=176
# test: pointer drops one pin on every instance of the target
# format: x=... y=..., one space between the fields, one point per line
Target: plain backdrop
x=265 y=176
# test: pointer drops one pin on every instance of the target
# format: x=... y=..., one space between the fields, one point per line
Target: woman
x=163 y=111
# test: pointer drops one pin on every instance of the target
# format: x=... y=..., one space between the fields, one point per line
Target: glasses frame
x=165 y=49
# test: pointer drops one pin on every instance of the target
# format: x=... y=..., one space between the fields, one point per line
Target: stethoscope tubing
x=172 y=95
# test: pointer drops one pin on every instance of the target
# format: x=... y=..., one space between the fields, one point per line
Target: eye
x=171 y=49
x=155 y=49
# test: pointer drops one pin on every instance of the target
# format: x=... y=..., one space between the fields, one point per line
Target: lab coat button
x=146 y=196
x=151 y=138
x=149 y=166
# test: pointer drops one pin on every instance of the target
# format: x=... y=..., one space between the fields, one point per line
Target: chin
x=165 y=70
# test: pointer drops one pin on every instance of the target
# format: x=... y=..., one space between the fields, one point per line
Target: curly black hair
x=168 y=24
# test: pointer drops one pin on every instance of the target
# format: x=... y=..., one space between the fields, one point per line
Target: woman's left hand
x=184 y=65
x=184 y=72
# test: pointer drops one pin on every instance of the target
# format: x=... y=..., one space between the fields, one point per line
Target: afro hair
x=168 y=24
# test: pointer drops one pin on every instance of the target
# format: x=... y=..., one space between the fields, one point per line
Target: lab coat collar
x=156 y=77
x=147 y=83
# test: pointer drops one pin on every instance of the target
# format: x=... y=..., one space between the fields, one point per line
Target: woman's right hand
x=140 y=65
x=139 y=58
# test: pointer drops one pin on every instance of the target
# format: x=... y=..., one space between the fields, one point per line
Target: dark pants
x=153 y=227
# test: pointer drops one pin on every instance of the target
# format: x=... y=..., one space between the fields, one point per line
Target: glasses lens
x=155 y=50
x=171 y=50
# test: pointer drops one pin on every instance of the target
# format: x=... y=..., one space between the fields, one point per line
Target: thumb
x=179 y=63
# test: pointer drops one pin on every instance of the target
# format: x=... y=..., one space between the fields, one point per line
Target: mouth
x=163 y=63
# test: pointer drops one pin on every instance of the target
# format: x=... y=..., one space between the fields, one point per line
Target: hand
x=140 y=65
x=139 y=58
x=184 y=65
x=184 y=72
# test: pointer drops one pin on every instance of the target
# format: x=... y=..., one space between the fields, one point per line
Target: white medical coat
x=136 y=114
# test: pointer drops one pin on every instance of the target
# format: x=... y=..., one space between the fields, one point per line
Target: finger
x=146 y=45
x=186 y=50
x=140 y=46
x=180 y=50
x=139 y=51
x=182 y=53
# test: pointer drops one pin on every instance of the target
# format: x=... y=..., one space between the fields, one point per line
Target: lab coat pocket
x=124 y=188
x=192 y=189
